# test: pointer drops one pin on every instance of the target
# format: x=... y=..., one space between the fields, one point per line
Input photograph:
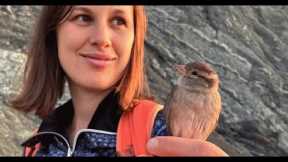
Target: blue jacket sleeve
x=160 y=126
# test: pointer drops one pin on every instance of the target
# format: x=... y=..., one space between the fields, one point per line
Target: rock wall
x=247 y=45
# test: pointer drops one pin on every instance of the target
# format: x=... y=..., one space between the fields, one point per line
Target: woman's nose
x=100 y=36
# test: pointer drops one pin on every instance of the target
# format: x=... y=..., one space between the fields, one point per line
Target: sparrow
x=193 y=106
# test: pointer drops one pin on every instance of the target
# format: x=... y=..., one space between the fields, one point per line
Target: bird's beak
x=180 y=69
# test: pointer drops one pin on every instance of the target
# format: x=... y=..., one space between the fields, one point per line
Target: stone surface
x=247 y=45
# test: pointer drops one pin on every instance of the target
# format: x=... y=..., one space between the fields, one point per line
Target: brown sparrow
x=194 y=105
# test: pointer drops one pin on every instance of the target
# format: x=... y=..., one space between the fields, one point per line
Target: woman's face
x=94 y=45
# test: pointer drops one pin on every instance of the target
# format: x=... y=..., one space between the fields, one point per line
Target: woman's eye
x=118 y=21
x=82 y=19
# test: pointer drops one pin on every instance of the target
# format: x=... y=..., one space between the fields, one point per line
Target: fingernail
x=153 y=143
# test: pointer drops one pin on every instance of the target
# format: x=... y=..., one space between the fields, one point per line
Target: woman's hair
x=44 y=78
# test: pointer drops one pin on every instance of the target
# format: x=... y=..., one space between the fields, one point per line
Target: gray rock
x=15 y=127
x=246 y=44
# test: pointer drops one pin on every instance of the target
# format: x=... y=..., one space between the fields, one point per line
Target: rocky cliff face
x=247 y=45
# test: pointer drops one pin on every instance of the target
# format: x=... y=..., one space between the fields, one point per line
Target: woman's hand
x=177 y=146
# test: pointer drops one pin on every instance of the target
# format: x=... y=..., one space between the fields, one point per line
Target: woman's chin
x=98 y=88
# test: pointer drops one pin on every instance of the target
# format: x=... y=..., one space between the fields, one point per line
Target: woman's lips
x=99 y=61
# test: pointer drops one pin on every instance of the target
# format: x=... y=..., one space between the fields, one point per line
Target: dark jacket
x=98 y=140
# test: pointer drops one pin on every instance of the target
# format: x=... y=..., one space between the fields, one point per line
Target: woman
x=99 y=51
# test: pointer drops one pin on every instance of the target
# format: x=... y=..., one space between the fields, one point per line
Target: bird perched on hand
x=194 y=105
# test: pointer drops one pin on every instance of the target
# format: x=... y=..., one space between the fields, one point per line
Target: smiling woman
x=99 y=51
x=96 y=49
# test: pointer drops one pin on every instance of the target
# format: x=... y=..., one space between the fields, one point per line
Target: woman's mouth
x=98 y=60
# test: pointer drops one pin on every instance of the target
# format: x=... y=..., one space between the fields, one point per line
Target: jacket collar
x=106 y=117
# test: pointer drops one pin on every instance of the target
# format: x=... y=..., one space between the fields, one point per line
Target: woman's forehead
x=115 y=8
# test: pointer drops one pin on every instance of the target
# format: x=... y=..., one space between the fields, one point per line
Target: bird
x=193 y=107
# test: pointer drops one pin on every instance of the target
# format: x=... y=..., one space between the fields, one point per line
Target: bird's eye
x=194 y=73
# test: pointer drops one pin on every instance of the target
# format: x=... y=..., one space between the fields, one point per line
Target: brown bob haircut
x=44 y=78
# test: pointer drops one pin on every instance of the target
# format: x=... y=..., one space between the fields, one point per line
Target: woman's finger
x=176 y=146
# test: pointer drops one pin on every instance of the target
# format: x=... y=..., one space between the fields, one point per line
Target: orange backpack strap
x=31 y=151
x=135 y=128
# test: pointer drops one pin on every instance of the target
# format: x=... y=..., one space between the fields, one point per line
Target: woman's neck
x=85 y=103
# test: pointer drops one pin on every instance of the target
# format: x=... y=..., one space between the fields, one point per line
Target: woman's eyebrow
x=119 y=11
x=83 y=9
